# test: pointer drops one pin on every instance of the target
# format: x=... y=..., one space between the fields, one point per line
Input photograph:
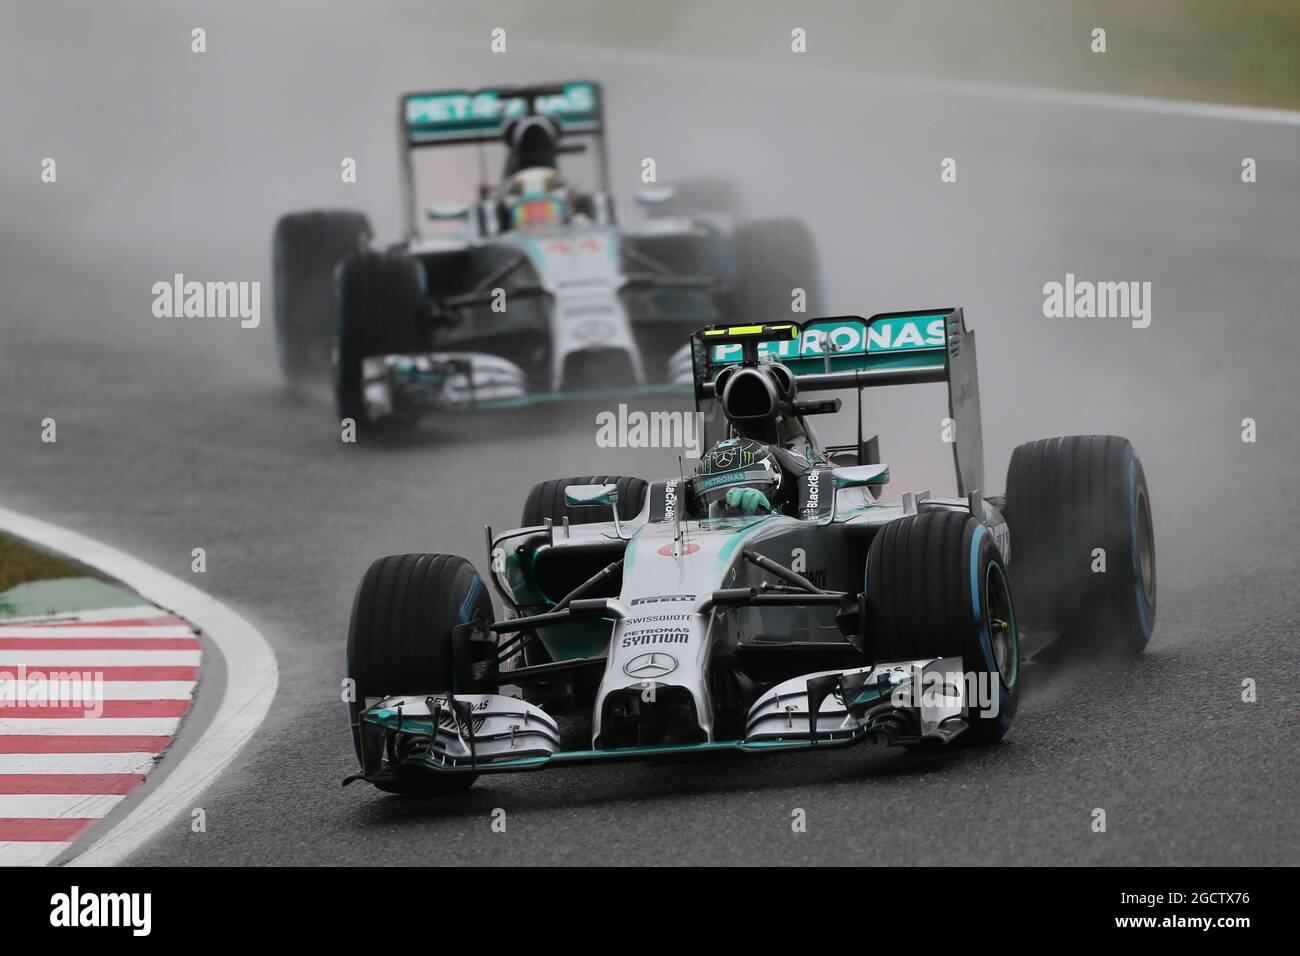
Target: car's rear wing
x=445 y=117
x=458 y=117
x=843 y=352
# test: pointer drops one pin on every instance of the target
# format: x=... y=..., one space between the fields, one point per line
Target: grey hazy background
x=176 y=433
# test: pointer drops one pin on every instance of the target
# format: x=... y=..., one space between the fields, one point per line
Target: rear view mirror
x=855 y=476
x=655 y=195
x=581 y=496
x=446 y=211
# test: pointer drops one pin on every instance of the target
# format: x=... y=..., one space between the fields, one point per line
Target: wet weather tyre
x=774 y=257
x=378 y=314
x=305 y=249
x=936 y=586
x=546 y=500
x=1066 y=499
x=400 y=641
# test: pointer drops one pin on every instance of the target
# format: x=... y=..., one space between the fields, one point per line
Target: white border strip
x=251 y=680
x=740 y=66
x=1096 y=99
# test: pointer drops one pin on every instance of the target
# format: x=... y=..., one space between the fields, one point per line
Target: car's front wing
x=898 y=703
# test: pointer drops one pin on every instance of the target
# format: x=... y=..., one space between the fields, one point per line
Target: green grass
x=1243 y=52
x=21 y=563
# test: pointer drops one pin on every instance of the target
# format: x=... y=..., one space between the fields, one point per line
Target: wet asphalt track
x=176 y=434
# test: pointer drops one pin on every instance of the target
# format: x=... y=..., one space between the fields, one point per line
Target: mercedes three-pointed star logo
x=650 y=666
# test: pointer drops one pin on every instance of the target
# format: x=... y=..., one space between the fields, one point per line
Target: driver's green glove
x=749 y=500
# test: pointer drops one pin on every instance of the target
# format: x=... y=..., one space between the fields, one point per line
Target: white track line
x=23 y=853
x=85 y=806
x=90 y=617
x=251 y=680
x=116 y=633
x=741 y=68
x=143 y=690
x=76 y=763
x=80 y=686
x=89 y=660
x=99 y=726
x=1111 y=101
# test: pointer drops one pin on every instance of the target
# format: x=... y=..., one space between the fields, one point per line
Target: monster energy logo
x=729 y=455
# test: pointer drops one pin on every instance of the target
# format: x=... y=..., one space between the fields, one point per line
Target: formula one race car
x=530 y=291
x=769 y=601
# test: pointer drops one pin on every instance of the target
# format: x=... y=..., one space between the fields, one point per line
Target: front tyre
x=936 y=586
x=400 y=642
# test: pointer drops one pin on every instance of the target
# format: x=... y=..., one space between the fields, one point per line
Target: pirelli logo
x=664 y=599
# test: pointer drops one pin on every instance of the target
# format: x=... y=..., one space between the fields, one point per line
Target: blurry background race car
x=529 y=289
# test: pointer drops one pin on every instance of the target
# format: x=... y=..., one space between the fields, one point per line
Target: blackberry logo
x=812 y=505
x=670 y=500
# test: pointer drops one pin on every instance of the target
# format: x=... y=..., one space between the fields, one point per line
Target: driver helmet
x=537 y=197
x=735 y=463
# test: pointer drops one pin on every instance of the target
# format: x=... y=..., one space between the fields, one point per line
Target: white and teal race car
x=771 y=601
x=527 y=289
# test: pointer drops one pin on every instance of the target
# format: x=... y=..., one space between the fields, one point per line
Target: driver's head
x=737 y=476
x=537 y=197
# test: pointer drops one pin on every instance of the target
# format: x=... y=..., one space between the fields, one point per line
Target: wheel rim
x=1001 y=624
x=1145 y=547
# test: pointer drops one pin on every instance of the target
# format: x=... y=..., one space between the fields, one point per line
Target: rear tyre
x=546 y=500
x=400 y=641
x=773 y=258
x=378 y=314
x=1067 y=498
x=305 y=248
x=936 y=586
